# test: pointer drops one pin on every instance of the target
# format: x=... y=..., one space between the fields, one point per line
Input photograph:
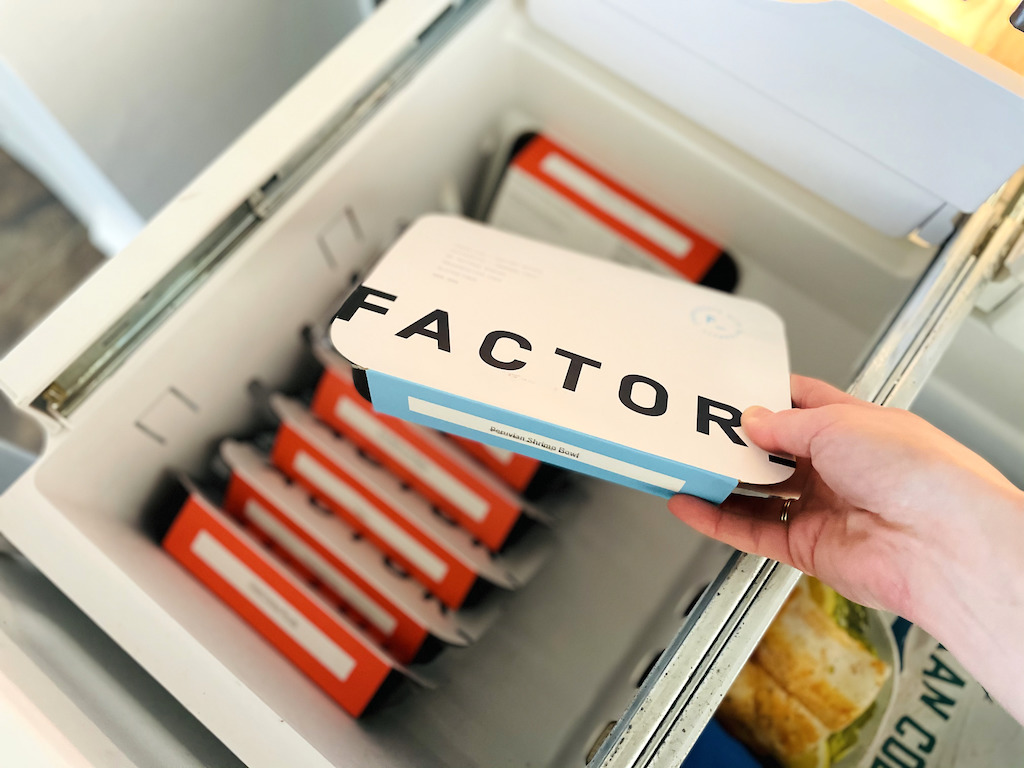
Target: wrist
x=971 y=597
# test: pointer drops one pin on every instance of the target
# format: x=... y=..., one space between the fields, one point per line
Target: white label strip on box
x=610 y=201
x=582 y=455
x=412 y=550
x=501 y=454
x=365 y=605
x=300 y=629
x=414 y=460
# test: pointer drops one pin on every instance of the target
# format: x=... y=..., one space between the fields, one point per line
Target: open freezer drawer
x=147 y=365
x=71 y=698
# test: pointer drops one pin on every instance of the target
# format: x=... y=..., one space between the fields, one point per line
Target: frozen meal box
x=232 y=564
x=615 y=372
x=548 y=192
x=392 y=609
x=401 y=523
x=430 y=464
x=515 y=470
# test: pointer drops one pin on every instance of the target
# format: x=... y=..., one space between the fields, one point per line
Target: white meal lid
x=693 y=341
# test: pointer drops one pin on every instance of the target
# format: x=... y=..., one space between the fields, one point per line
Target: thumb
x=790 y=431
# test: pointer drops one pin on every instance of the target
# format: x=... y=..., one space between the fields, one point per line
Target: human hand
x=893 y=514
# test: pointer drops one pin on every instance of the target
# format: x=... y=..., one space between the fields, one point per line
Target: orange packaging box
x=228 y=560
x=444 y=475
x=586 y=209
x=400 y=522
x=392 y=609
x=515 y=470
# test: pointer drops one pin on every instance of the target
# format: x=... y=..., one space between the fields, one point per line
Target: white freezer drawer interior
x=563 y=658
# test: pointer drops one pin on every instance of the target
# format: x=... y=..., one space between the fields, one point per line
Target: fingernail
x=753 y=413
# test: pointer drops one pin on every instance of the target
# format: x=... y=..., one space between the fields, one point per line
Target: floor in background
x=44 y=252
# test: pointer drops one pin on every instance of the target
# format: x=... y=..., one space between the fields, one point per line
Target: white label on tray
x=600 y=195
x=362 y=603
x=549 y=444
x=272 y=605
x=503 y=455
x=413 y=459
x=407 y=546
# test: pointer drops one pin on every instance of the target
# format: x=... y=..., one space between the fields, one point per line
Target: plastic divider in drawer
x=441 y=556
x=393 y=609
x=230 y=561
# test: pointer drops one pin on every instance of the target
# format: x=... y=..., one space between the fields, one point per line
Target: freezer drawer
x=144 y=368
x=71 y=698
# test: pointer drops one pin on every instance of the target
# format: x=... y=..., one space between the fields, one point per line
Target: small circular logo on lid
x=715 y=322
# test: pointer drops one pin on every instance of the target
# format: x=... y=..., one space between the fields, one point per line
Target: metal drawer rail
x=681 y=694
